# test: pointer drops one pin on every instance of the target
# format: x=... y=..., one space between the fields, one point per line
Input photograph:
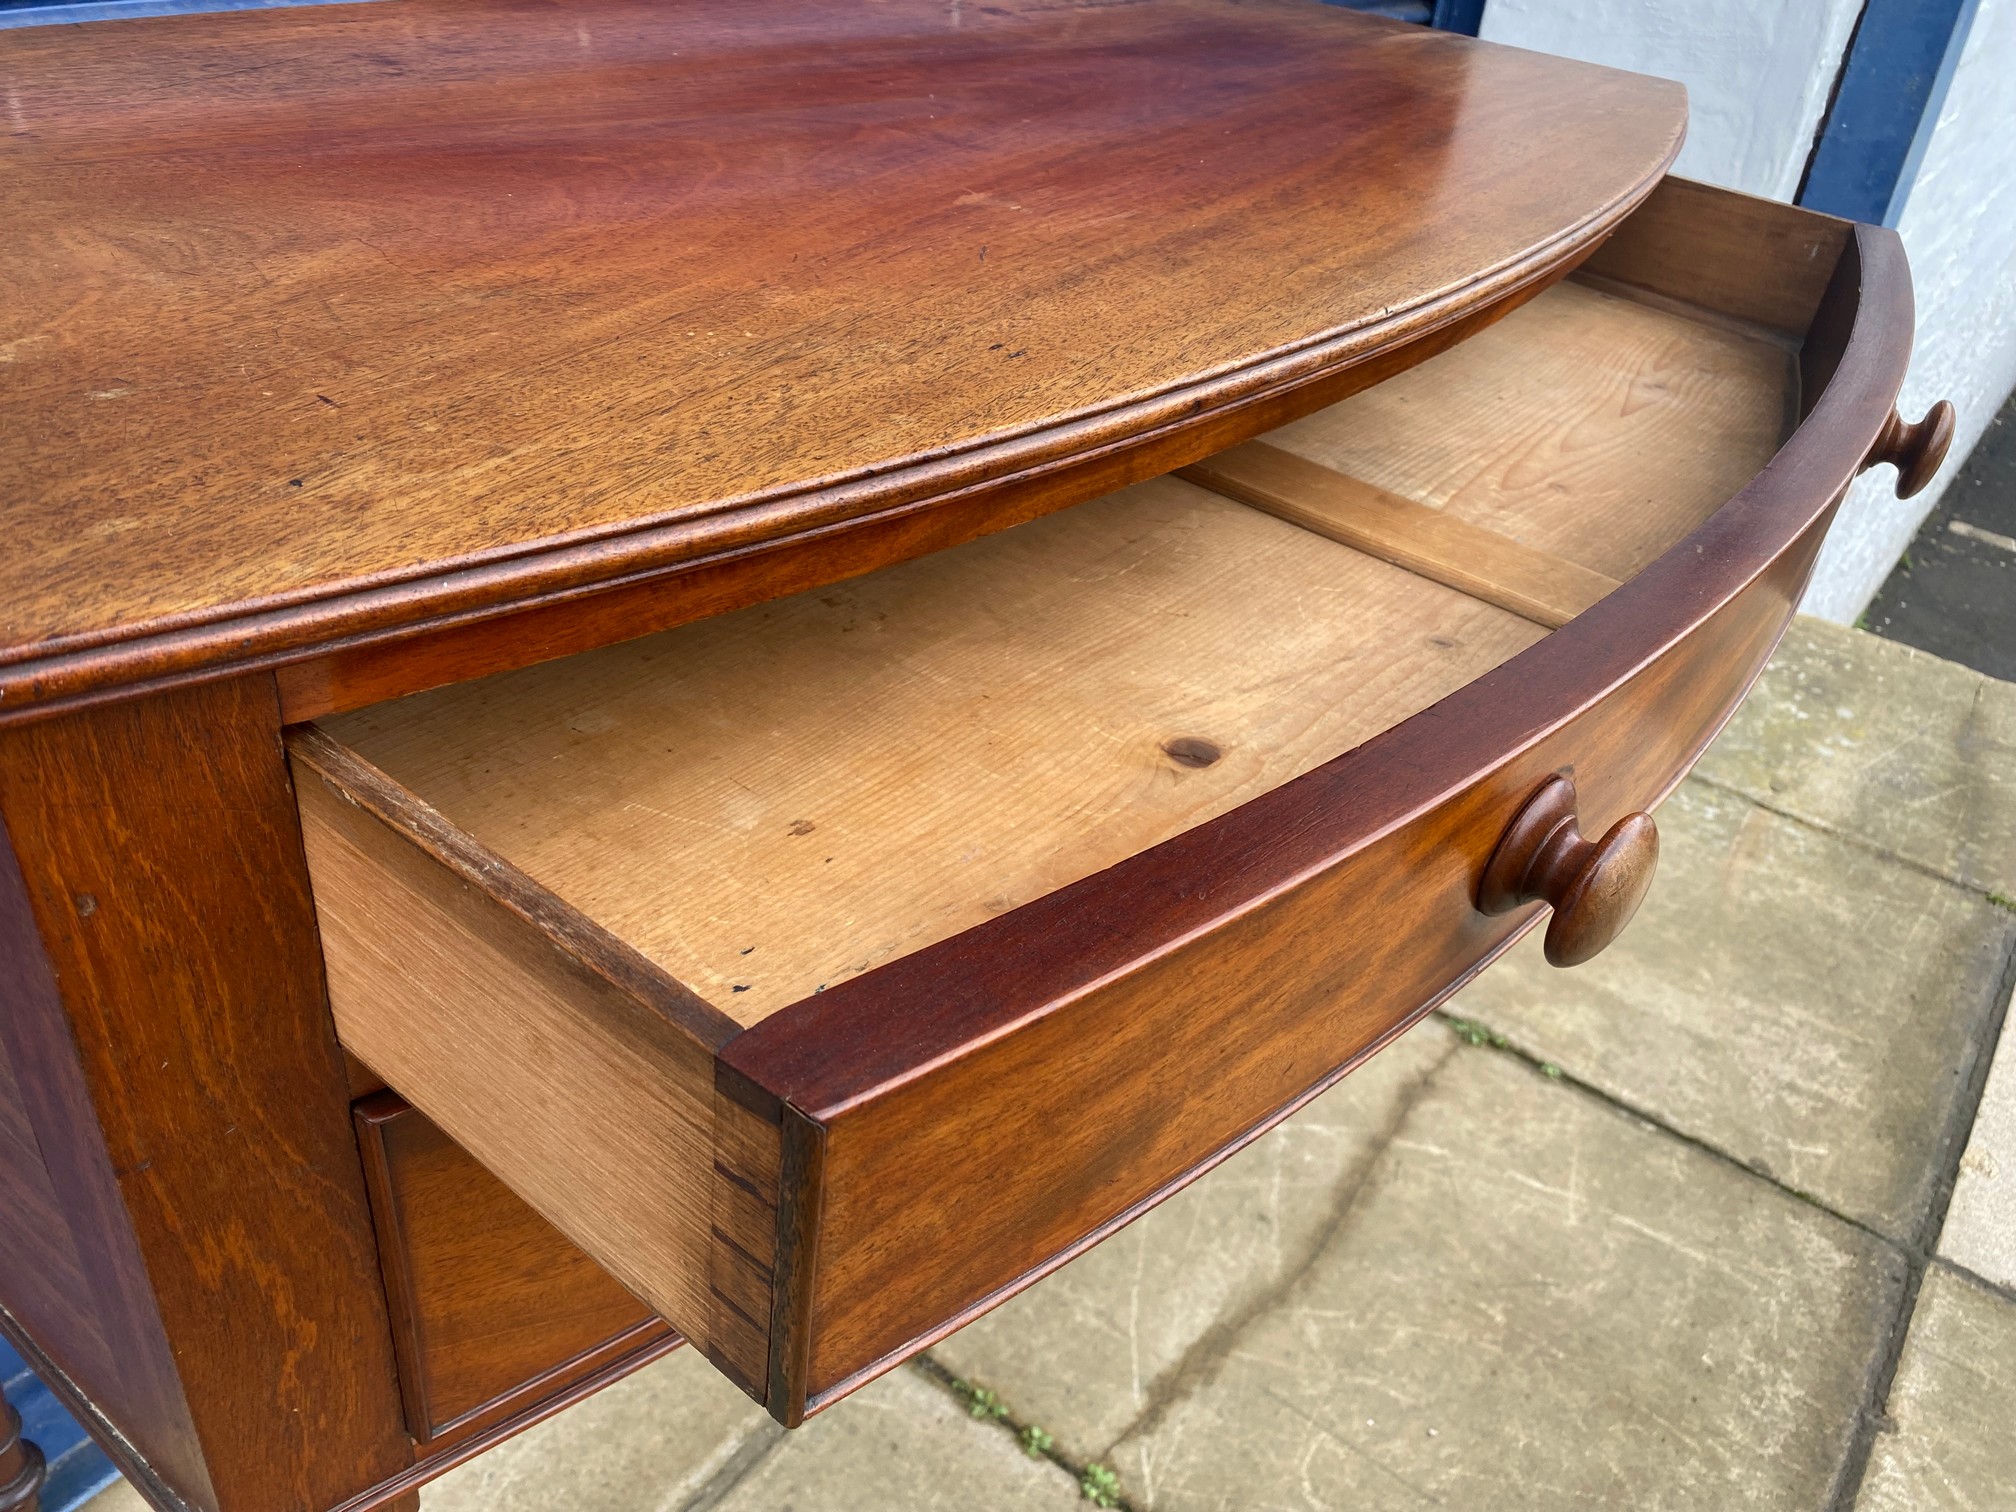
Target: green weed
x=1100 y=1486
x=1472 y=1033
x=980 y=1402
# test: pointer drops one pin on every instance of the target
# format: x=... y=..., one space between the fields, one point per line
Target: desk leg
x=174 y=1117
x=20 y=1464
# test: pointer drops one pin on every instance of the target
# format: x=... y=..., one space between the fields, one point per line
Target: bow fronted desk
x=742 y=672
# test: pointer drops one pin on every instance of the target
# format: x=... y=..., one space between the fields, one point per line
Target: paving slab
x=1808 y=1006
x=118 y=1497
x=900 y=1445
x=1880 y=740
x=1084 y=1353
x=1535 y=1301
x=676 y=1437
x=1980 y=1228
x=653 y=1442
x=1950 y=1447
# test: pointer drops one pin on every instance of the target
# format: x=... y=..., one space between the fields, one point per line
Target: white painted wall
x=1758 y=72
x=1959 y=225
x=1758 y=75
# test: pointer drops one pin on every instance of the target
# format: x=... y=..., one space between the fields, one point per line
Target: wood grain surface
x=1535 y=585
x=169 y=1035
x=1591 y=427
x=1749 y=260
x=1268 y=947
x=858 y=771
x=1021 y=1149
x=770 y=803
x=373 y=666
x=47 y=1284
x=329 y=318
x=444 y=993
x=578 y=1074
x=1250 y=957
x=492 y=1308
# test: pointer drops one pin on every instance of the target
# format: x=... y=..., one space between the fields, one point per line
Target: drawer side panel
x=591 y=1106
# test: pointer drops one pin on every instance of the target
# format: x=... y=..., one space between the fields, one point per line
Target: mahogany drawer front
x=1128 y=1072
x=824 y=1028
x=494 y=1312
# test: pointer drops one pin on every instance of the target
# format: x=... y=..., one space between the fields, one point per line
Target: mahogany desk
x=634 y=638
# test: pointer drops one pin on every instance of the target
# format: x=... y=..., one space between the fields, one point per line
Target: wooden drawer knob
x=1593 y=886
x=1916 y=451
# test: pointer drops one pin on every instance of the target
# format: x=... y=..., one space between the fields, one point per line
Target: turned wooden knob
x=1916 y=451
x=1593 y=886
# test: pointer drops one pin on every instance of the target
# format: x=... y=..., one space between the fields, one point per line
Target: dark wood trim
x=536 y=1390
x=814 y=1401
x=401 y=1302
x=1273 y=988
x=168 y=1017
x=801 y=1187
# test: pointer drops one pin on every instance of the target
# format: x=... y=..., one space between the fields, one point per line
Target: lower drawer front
x=829 y=970
x=493 y=1310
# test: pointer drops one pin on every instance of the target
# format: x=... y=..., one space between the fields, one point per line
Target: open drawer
x=831 y=969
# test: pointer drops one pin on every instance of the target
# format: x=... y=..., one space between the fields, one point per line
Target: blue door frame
x=1449 y=15
x=1886 y=102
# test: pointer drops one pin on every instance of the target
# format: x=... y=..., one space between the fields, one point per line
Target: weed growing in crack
x=1100 y=1486
x=980 y=1402
x=1473 y=1033
x=1035 y=1441
x=2003 y=900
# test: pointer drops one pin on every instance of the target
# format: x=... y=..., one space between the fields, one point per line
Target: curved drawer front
x=1131 y=1069
x=829 y=970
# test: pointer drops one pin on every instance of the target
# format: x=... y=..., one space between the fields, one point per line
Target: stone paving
x=1710 y=1222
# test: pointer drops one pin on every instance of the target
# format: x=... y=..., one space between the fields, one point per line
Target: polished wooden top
x=315 y=318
